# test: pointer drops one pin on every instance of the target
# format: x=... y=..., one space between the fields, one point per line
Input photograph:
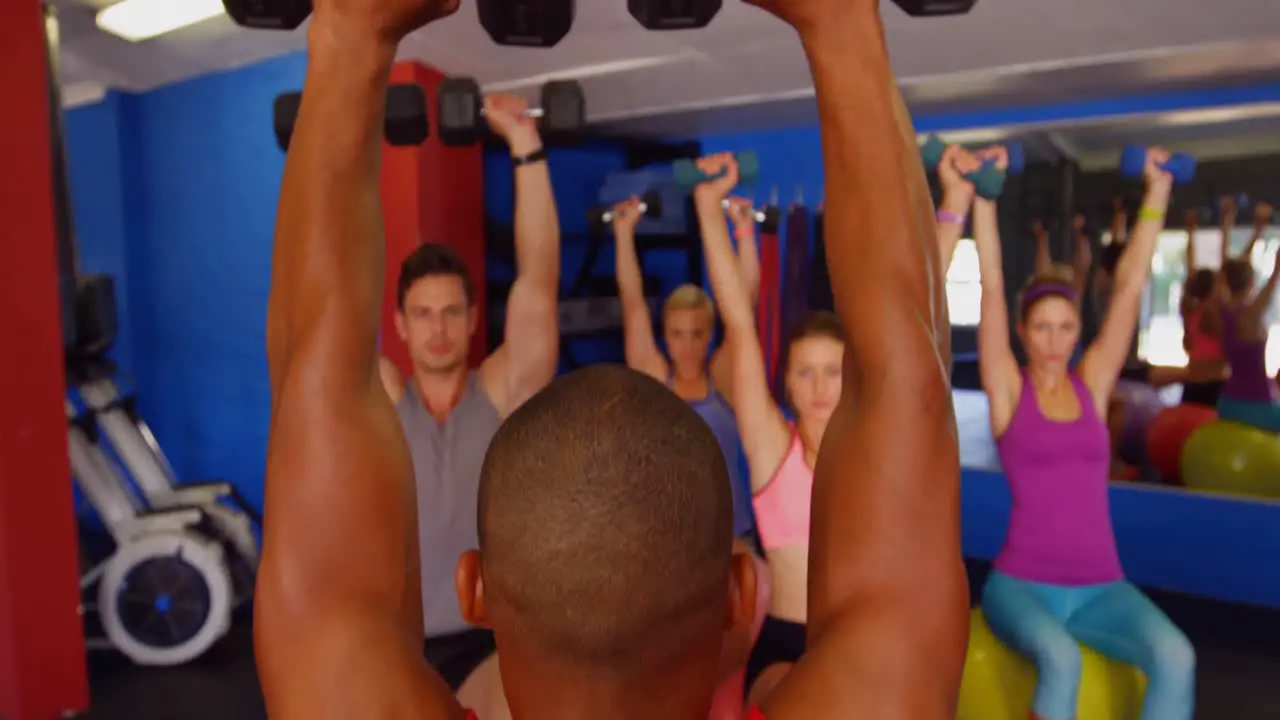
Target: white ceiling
x=1005 y=52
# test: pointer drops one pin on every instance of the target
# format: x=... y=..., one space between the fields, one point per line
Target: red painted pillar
x=431 y=193
x=42 y=662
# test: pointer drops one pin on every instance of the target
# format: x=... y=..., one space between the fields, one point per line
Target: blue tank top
x=715 y=410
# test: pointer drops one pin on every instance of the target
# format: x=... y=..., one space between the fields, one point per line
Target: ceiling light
x=136 y=20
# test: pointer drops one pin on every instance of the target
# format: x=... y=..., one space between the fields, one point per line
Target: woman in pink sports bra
x=781 y=454
x=1206 y=365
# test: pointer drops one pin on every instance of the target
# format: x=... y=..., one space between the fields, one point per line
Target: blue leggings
x=1261 y=415
x=1044 y=622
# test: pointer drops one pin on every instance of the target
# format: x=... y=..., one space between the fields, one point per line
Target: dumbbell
x=1133 y=161
x=988 y=180
x=599 y=218
x=268 y=14
x=405 y=116
x=688 y=176
x=691 y=14
x=461 y=110
x=769 y=217
x=527 y=23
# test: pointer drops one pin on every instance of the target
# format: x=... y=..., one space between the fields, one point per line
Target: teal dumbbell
x=688 y=176
x=988 y=180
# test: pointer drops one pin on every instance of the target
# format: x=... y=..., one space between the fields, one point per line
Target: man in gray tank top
x=449 y=411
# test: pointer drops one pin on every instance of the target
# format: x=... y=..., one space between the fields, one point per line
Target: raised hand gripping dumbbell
x=768 y=217
x=688 y=176
x=599 y=218
x=988 y=181
x=461 y=111
x=1133 y=162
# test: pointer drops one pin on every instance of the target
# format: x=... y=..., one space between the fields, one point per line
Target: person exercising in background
x=1081 y=259
x=688 y=323
x=1238 y=313
x=1207 y=368
x=1058 y=579
x=449 y=411
x=605 y=522
x=780 y=454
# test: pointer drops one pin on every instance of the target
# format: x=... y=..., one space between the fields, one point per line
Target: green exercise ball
x=1227 y=457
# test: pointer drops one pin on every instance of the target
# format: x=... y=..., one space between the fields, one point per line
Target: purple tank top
x=1248 y=361
x=715 y=410
x=1060 y=528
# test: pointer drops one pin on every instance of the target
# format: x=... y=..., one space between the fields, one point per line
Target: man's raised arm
x=527 y=359
x=888 y=597
x=338 y=628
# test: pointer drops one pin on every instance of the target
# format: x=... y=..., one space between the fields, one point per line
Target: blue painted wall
x=175 y=195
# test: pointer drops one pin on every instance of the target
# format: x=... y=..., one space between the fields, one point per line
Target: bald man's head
x=605 y=521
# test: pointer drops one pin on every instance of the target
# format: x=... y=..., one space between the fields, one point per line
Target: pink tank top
x=1200 y=345
x=782 y=507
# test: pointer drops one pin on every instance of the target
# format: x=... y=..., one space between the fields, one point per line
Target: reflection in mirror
x=1181 y=417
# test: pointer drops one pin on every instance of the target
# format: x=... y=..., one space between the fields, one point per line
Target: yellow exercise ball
x=1232 y=458
x=999 y=683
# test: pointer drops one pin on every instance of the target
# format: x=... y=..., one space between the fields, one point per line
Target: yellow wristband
x=1150 y=213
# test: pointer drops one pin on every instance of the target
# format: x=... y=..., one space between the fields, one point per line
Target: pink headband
x=1044 y=290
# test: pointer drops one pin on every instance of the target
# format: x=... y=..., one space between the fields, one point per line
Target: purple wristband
x=949 y=217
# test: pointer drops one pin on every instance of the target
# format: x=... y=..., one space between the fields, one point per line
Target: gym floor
x=1238 y=666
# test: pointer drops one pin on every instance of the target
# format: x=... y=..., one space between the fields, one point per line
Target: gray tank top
x=446 y=466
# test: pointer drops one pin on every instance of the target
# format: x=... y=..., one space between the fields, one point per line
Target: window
x=964 y=285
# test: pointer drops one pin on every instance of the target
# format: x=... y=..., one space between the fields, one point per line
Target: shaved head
x=606 y=521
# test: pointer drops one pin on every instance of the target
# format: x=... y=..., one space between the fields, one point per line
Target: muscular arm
x=637 y=324
x=765 y=436
x=526 y=361
x=338 y=631
x=1105 y=357
x=888 y=597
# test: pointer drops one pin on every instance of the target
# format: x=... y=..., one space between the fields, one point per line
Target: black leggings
x=1206 y=393
x=458 y=655
x=780 y=641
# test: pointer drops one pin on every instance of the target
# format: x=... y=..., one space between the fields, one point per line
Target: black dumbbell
x=461 y=110
x=268 y=14
x=527 y=23
x=600 y=218
x=769 y=217
x=667 y=15
x=405 y=124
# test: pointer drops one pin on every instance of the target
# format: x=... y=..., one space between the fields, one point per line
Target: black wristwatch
x=536 y=156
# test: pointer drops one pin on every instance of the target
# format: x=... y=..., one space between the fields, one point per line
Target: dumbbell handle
x=756 y=212
x=608 y=216
x=535 y=113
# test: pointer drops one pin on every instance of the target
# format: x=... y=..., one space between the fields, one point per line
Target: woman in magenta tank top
x=688 y=324
x=1058 y=581
x=780 y=454
x=1249 y=396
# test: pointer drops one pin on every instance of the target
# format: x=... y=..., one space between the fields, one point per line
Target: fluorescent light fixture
x=136 y=20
